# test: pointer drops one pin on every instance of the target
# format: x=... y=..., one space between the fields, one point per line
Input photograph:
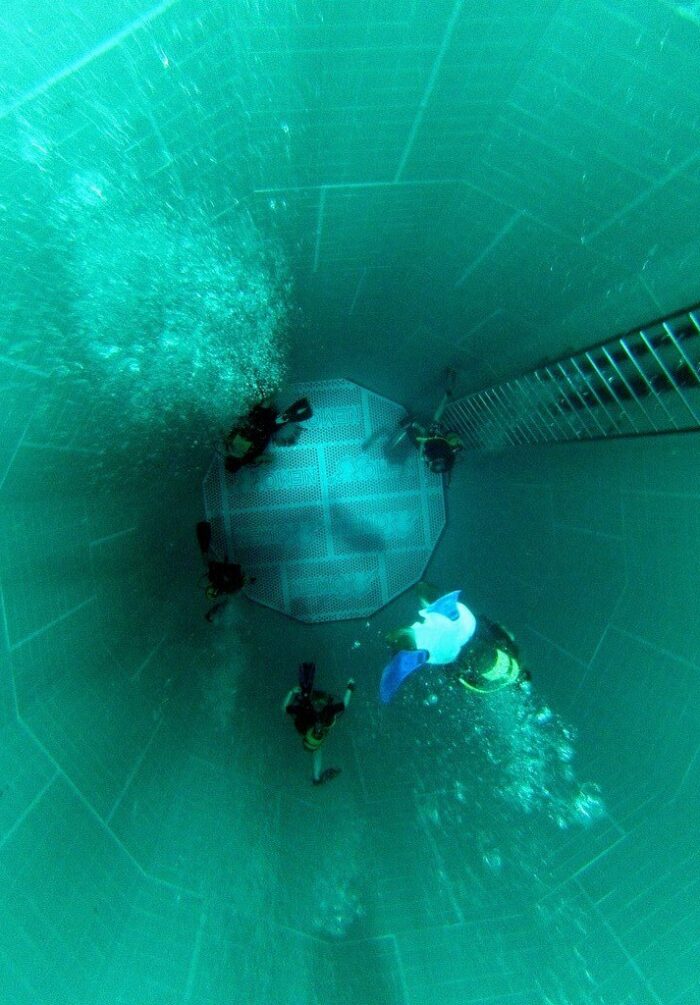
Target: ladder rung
x=647 y=381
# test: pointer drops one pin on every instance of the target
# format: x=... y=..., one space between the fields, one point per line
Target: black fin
x=327 y=776
x=307 y=672
x=204 y=536
x=297 y=412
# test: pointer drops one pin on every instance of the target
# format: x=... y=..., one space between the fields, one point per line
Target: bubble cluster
x=505 y=747
x=339 y=907
x=172 y=318
x=338 y=903
x=533 y=749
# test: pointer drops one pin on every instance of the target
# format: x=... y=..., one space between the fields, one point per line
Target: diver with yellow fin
x=491 y=660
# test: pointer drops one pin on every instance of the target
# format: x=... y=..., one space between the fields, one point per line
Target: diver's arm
x=349 y=688
x=290 y=696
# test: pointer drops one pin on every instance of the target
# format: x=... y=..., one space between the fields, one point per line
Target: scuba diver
x=491 y=660
x=249 y=438
x=314 y=713
x=437 y=444
x=482 y=655
x=223 y=578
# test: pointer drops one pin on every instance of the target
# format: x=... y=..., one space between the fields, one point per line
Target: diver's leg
x=416 y=432
x=441 y=407
x=450 y=382
x=316 y=766
x=213 y=615
x=427 y=593
x=401 y=638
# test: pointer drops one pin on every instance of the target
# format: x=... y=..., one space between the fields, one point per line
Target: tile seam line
x=61 y=449
x=559 y=648
x=145 y=662
x=112 y=537
x=52 y=624
x=688 y=771
x=74 y=788
x=429 y=87
x=20 y=444
x=132 y=774
x=106 y=45
x=340 y=186
x=495 y=241
x=319 y=228
x=29 y=808
x=305 y=935
x=398 y=956
x=640 y=199
x=586 y=531
x=7 y=647
x=193 y=965
x=646 y=982
x=591 y=862
x=353 y=186
x=650 y=645
x=96 y=816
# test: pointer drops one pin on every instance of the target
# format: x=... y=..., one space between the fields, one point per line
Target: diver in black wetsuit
x=223 y=578
x=314 y=713
x=438 y=445
x=249 y=438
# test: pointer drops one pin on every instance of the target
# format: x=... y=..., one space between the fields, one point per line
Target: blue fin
x=396 y=672
x=446 y=605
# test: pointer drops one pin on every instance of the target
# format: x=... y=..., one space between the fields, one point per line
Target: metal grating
x=330 y=529
x=642 y=383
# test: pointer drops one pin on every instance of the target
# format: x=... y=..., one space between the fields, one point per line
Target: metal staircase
x=643 y=383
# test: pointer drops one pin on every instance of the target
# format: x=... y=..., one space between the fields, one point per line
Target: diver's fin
x=327 y=776
x=297 y=412
x=307 y=672
x=204 y=536
x=396 y=672
x=446 y=605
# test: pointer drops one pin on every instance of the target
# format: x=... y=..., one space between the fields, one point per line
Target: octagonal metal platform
x=329 y=527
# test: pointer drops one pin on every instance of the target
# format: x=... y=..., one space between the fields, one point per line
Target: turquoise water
x=199 y=202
